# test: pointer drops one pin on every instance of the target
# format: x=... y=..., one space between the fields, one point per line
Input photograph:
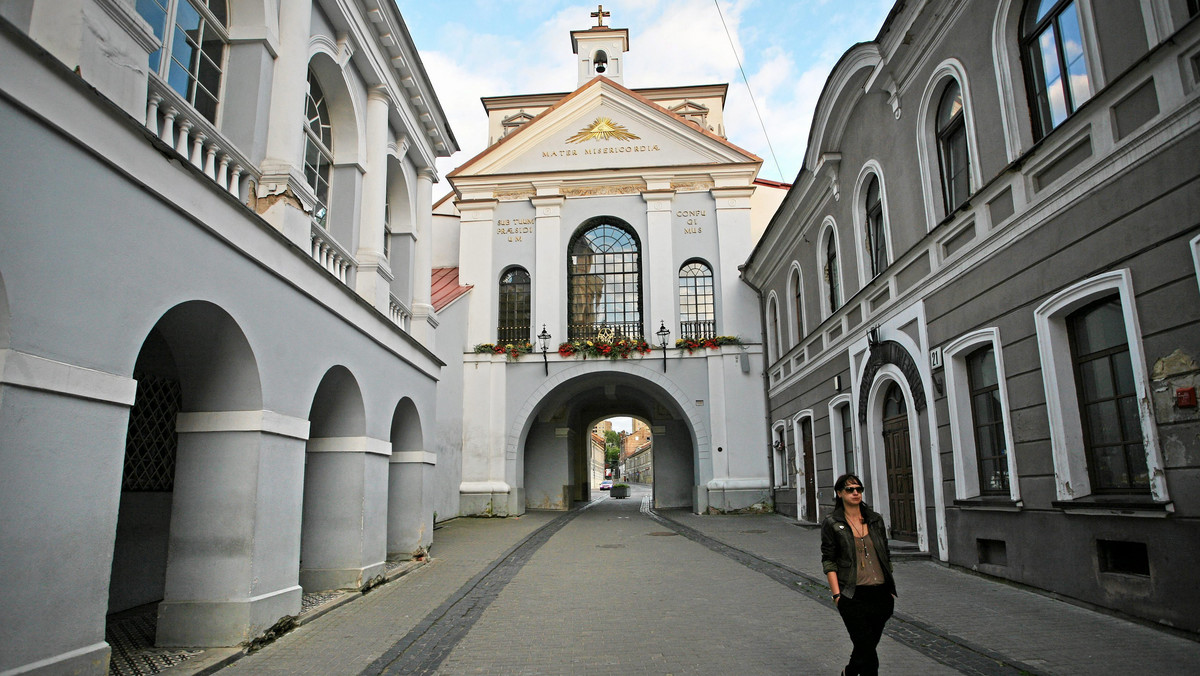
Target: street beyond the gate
x=616 y=588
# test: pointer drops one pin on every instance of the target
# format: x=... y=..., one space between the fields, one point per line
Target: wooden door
x=810 y=473
x=898 y=455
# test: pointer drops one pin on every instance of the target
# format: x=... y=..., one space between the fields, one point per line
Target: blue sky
x=476 y=48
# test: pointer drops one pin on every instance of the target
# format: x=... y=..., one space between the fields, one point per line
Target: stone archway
x=550 y=431
x=188 y=480
x=410 y=468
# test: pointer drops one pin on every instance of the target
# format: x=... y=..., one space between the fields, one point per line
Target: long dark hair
x=840 y=485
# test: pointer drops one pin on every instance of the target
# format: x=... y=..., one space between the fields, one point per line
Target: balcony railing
x=399 y=312
x=512 y=334
x=331 y=255
x=594 y=331
x=698 y=330
x=180 y=126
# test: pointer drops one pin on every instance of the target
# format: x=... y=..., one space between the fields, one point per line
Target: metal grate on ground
x=131 y=637
x=314 y=599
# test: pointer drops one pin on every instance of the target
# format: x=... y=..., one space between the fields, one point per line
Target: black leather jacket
x=837 y=549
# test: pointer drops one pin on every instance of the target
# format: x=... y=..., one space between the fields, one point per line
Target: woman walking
x=854 y=556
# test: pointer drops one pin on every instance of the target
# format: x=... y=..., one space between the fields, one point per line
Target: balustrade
x=630 y=330
x=698 y=330
x=330 y=254
x=399 y=312
x=181 y=127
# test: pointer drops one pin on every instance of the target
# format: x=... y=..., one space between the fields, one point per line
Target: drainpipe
x=762 y=319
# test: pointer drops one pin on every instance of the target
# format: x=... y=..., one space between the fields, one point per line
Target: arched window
x=877 y=257
x=604 y=281
x=953 y=158
x=697 y=307
x=833 y=295
x=774 y=347
x=194 y=33
x=987 y=419
x=797 y=304
x=1056 y=71
x=318 y=146
x=515 y=298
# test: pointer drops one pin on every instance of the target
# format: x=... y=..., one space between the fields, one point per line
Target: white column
x=659 y=271
x=285 y=135
x=374 y=278
x=737 y=306
x=549 y=276
x=423 y=321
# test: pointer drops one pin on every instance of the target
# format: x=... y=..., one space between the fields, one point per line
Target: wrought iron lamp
x=662 y=334
x=544 y=340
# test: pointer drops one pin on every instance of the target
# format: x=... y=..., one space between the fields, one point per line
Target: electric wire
x=745 y=79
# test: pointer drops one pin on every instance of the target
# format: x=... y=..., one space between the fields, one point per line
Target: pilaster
x=423 y=319
x=549 y=275
x=374 y=277
x=737 y=306
x=410 y=520
x=475 y=267
x=661 y=272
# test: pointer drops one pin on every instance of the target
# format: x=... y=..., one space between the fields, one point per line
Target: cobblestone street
x=614 y=586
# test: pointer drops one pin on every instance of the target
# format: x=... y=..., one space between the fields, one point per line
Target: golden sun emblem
x=603 y=129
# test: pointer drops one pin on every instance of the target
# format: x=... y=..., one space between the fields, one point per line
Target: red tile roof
x=446 y=287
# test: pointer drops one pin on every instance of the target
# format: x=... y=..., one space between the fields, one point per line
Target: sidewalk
x=1050 y=636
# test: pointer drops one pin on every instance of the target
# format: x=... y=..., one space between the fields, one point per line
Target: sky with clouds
x=477 y=48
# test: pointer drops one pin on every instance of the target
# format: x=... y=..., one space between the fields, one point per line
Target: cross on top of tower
x=599 y=16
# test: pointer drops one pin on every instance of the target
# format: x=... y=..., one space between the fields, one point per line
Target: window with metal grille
x=987 y=418
x=151 y=442
x=876 y=243
x=515 y=295
x=318 y=144
x=953 y=158
x=697 y=307
x=604 y=281
x=1056 y=71
x=1108 y=408
x=196 y=42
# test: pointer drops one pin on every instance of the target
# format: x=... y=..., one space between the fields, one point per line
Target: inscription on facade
x=513 y=228
x=691 y=220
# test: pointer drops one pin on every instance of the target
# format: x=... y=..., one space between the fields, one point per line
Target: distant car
x=606 y=484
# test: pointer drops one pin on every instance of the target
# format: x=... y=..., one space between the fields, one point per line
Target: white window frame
x=927 y=141
x=962 y=421
x=1058 y=374
x=869 y=169
x=796 y=326
x=836 y=440
x=829 y=229
x=782 y=476
x=165 y=57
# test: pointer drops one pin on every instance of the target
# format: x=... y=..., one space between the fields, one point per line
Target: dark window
x=774 y=350
x=1108 y=407
x=893 y=402
x=604 y=281
x=1193 y=7
x=876 y=244
x=196 y=44
x=1056 y=72
x=987 y=418
x=992 y=552
x=953 y=158
x=515 y=297
x=1116 y=556
x=318 y=144
x=831 y=274
x=847 y=437
x=697 y=307
x=798 y=303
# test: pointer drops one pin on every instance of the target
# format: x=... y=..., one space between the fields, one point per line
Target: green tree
x=612 y=447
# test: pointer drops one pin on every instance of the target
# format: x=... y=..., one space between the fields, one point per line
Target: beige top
x=869 y=570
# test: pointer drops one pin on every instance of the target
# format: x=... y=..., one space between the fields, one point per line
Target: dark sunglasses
x=853 y=489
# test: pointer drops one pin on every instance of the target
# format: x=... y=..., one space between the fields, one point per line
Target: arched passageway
x=550 y=459
x=186 y=479
x=409 y=523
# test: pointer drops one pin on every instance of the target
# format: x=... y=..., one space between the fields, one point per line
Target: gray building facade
x=983 y=295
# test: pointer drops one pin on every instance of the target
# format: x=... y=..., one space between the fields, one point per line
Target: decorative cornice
x=513 y=194
x=692 y=186
x=595 y=190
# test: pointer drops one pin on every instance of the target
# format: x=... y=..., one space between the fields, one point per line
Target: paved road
x=614 y=587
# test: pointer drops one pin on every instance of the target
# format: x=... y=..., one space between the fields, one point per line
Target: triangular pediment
x=603 y=125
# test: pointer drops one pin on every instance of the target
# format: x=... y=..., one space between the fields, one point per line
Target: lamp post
x=544 y=339
x=662 y=334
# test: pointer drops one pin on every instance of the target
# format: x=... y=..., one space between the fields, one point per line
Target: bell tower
x=601 y=49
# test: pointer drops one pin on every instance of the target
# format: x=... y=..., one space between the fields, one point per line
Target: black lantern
x=662 y=334
x=544 y=339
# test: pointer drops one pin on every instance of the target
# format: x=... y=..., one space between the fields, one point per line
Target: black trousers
x=865 y=615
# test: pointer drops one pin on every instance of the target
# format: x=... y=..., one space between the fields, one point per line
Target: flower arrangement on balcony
x=618 y=348
x=511 y=351
x=693 y=344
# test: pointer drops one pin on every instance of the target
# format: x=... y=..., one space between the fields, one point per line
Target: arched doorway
x=898 y=460
x=550 y=454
